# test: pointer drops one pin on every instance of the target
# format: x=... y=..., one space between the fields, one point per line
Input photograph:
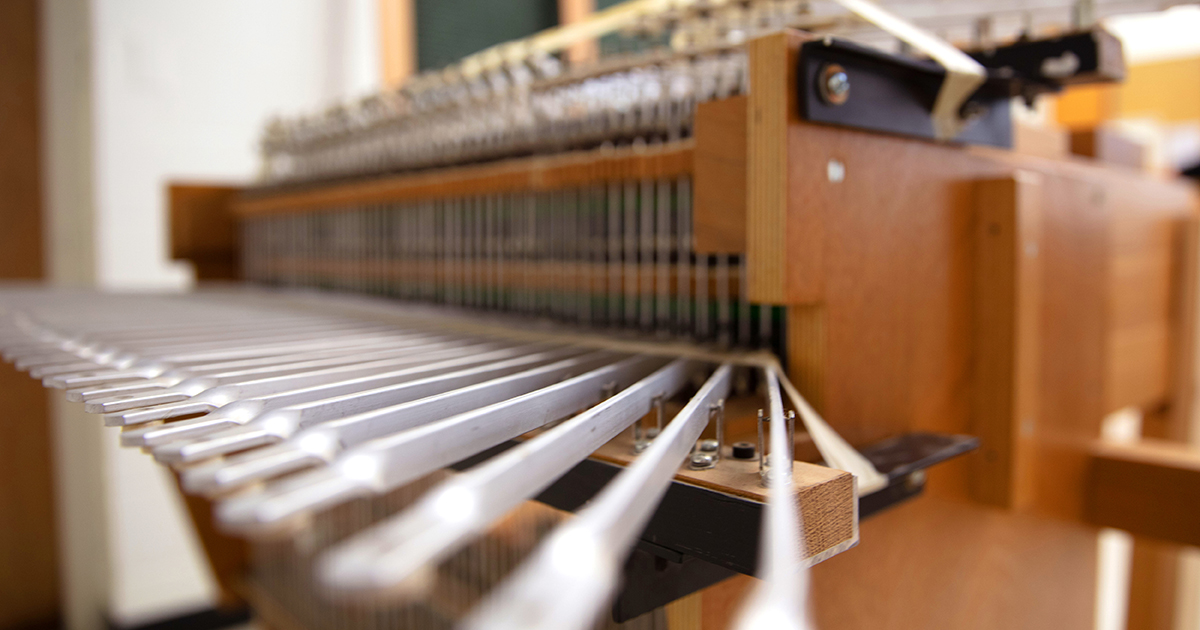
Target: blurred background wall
x=135 y=92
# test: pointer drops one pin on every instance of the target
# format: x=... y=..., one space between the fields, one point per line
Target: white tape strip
x=963 y=74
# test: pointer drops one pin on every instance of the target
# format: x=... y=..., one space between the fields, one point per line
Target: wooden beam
x=1006 y=356
x=397 y=40
x=1151 y=489
x=514 y=175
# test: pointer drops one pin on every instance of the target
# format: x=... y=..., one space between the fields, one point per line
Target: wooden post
x=397 y=40
x=569 y=12
x=1005 y=355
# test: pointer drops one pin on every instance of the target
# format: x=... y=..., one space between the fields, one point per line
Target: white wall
x=139 y=92
x=182 y=89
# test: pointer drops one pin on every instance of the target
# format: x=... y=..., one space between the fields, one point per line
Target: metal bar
x=233 y=433
x=408 y=441
x=393 y=553
x=566 y=583
x=198 y=397
x=780 y=599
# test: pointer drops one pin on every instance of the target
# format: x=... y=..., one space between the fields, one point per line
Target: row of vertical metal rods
x=616 y=255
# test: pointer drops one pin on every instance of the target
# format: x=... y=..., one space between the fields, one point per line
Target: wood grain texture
x=1007 y=306
x=1151 y=488
x=719 y=206
x=530 y=174
x=203 y=228
x=771 y=105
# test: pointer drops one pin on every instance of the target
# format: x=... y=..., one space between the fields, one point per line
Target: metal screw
x=915 y=480
x=708 y=446
x=834 y=84
x=703 y=460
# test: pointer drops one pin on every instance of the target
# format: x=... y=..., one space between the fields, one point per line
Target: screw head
x=703 y=460
x=834 y=84
x=708 y=446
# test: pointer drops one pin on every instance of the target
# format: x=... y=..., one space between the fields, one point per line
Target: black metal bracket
x=892 y=94
x=846 y=84
x=1038 y=66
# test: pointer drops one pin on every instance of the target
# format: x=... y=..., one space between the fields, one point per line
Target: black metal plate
x=893 y=94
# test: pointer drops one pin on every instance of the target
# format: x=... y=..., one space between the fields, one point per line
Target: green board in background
x=448 y=30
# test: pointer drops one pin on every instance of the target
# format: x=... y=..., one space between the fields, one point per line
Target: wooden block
x=1151 y=488
x=204 y=229
x=1006 y=359
x=824 y=497
x=719 y=206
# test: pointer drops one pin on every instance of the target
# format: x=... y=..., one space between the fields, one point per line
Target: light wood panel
x=771 y=106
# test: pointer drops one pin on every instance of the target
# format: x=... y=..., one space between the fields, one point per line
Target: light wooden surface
x=719 y=202
x=771 y=107
x=1151 y=488
x=514 y=175
x=203 y=228
x=1007 y=305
